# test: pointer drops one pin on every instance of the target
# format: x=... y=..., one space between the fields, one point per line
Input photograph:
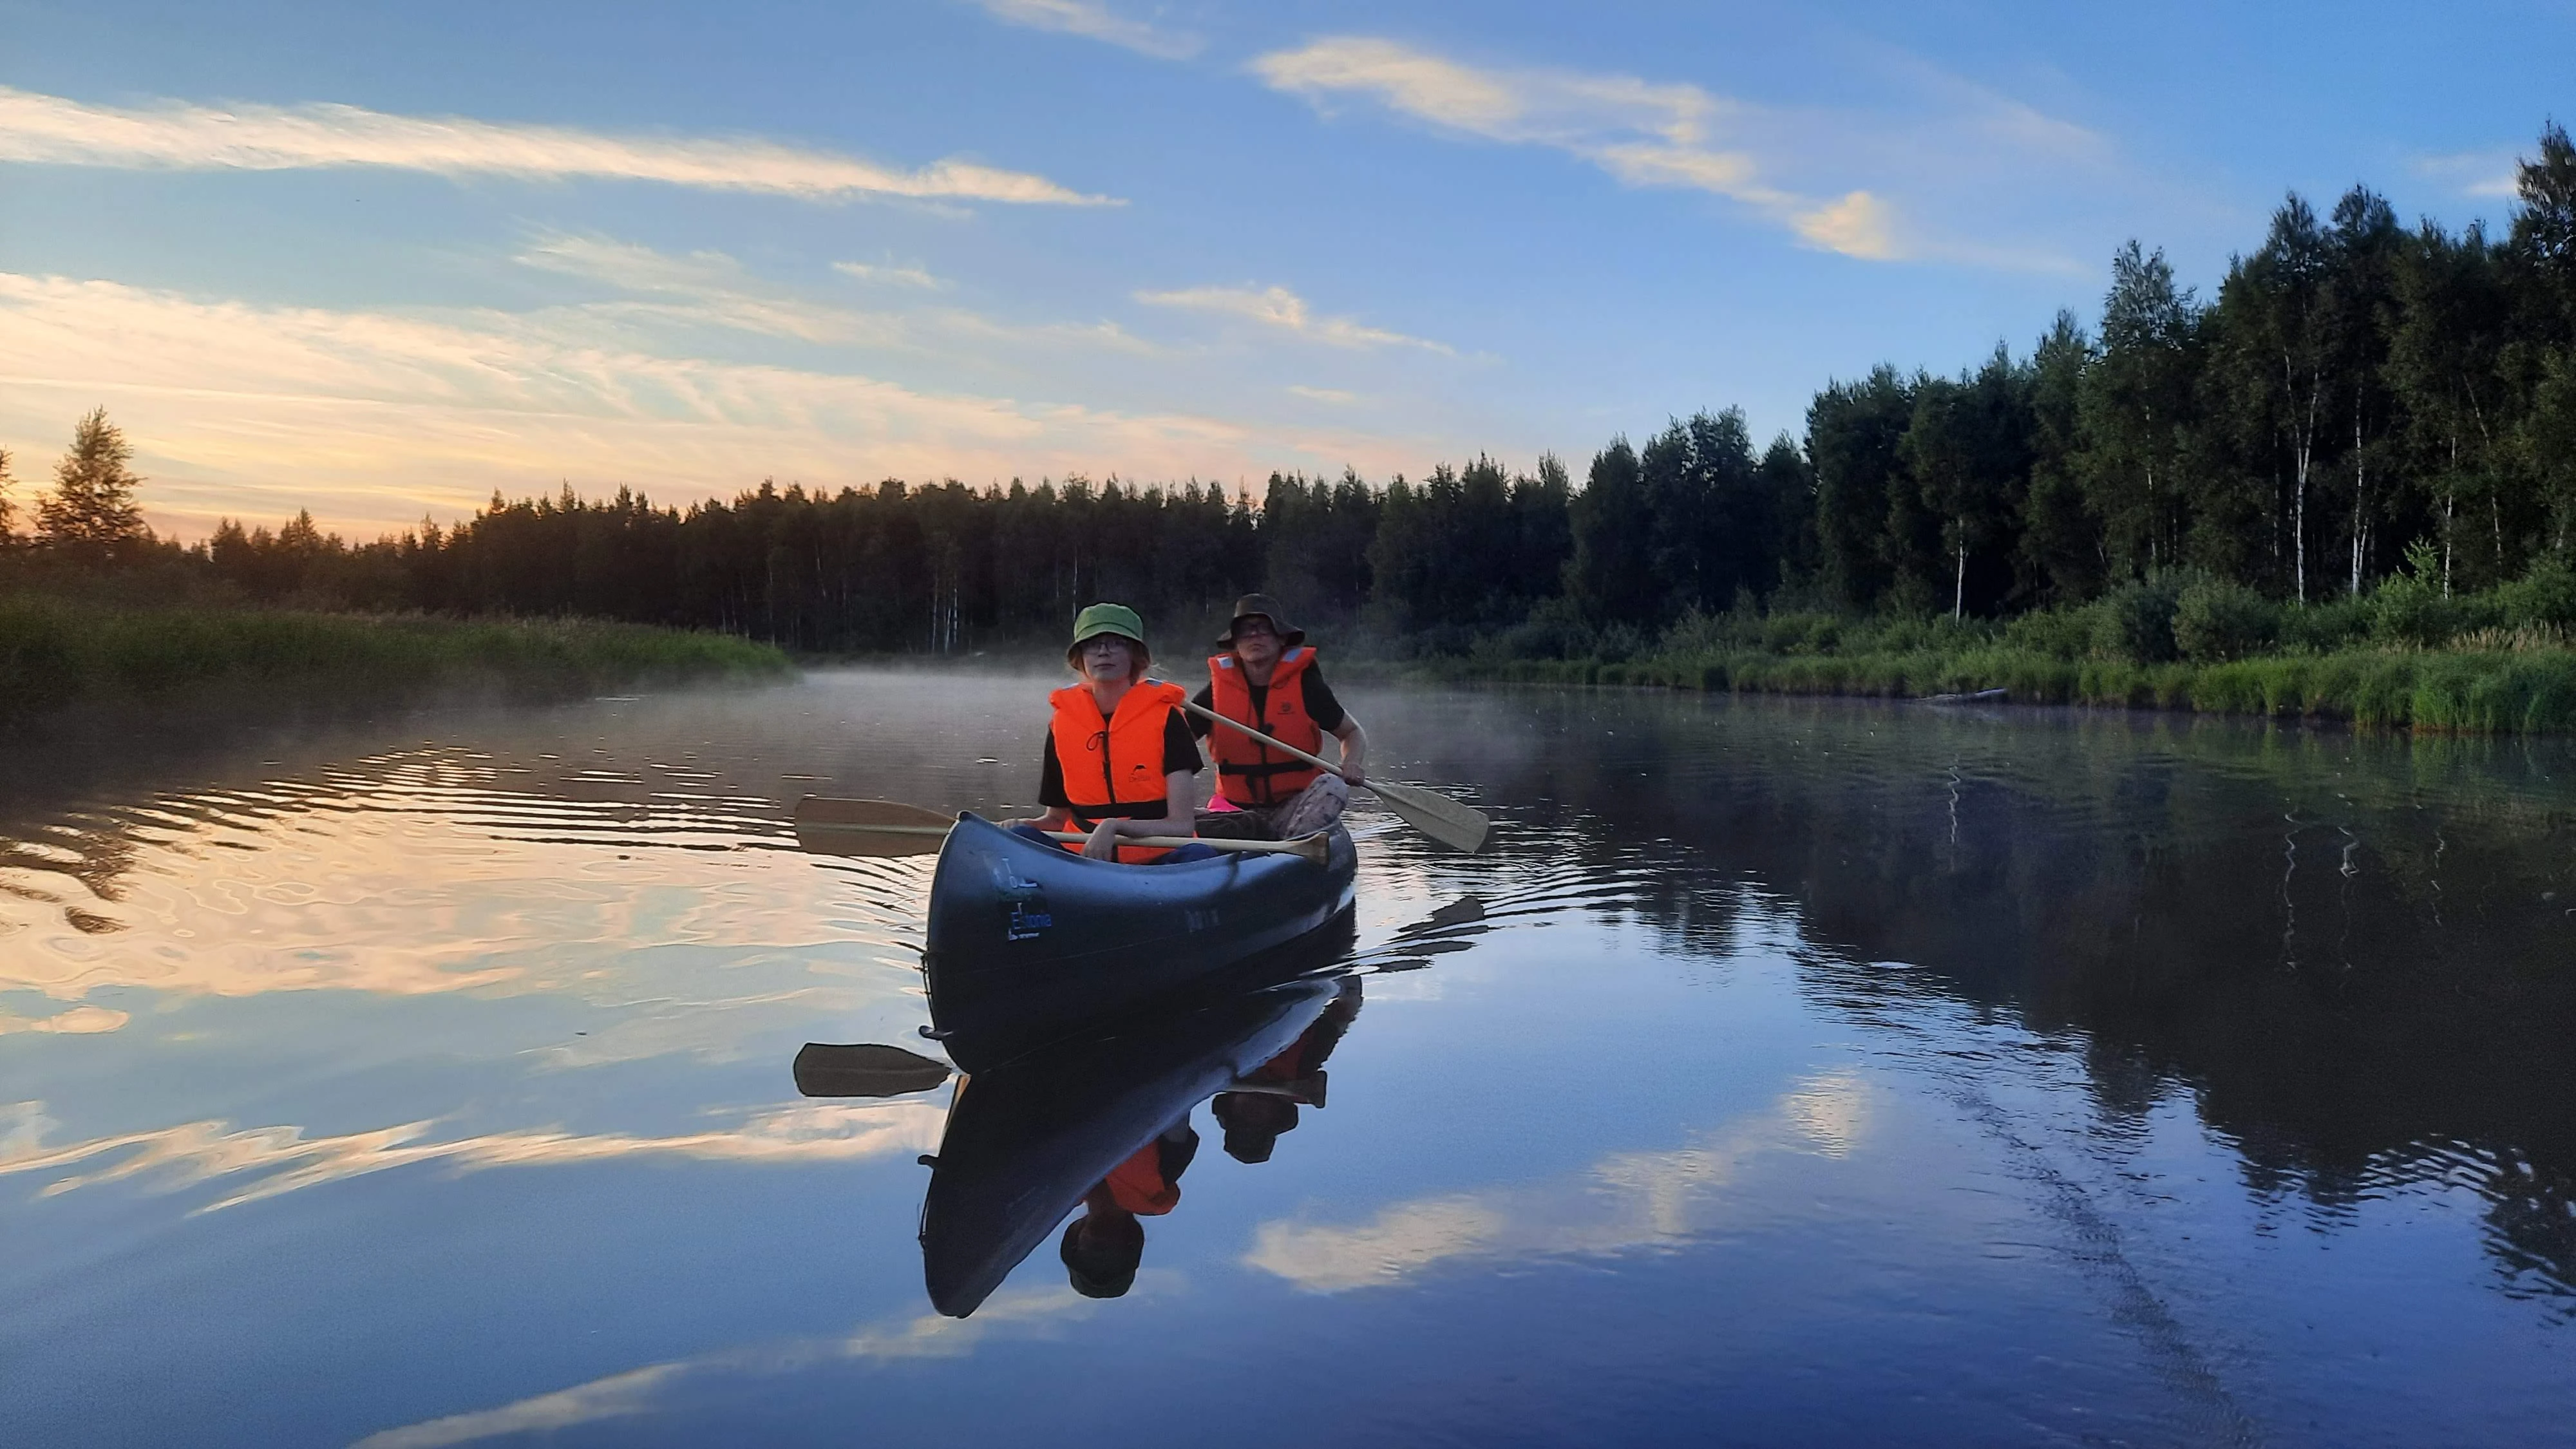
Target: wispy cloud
x=889 y=273
x=1283 y=309
x=1095 y=20
x=179 y=136
x=709 y=288
x=704 y=287
x=1334 y=395
x=369 y=417
x=1642 y=132
x=2482 y=174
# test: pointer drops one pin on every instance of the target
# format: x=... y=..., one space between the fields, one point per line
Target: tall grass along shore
x=2405 y=656
x=57 y=652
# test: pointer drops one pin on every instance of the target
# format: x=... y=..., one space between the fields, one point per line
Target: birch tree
x=2136 y=402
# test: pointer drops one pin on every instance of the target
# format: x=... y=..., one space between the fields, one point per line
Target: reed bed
x=56 y=652
x=2460 y=691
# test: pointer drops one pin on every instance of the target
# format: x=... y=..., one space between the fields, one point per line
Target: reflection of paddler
x=1254 y=1119
x=1102 y=1247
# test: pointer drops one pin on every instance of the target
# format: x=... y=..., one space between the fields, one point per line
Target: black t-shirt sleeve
x=1321 y=707
x=1180 y=751
x=1051 y=779
x=1204 y=699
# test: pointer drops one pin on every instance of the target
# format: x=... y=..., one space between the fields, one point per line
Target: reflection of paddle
x=864 y=1069
x=890 y=827
x=1464 y=911
x=1307 y=1090
x=1438 y=816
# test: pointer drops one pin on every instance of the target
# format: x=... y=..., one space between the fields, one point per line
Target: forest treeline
x=2357 y=400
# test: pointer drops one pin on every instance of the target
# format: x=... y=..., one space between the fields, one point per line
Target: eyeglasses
x=1255 y=626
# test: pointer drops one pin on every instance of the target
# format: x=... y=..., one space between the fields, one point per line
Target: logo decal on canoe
x=1024 y=909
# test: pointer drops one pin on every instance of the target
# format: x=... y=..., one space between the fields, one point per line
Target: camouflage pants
x=1304 y=813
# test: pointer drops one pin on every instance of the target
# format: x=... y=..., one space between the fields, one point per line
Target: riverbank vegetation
x=2344 y=482
x=56 y=652
x=2494 y=662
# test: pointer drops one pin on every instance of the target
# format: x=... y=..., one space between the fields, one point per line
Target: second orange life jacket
x=1247 y=771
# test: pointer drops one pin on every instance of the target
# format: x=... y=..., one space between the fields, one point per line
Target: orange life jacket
x=1114 y=766
x=1247 y=771
x=1138 y=1184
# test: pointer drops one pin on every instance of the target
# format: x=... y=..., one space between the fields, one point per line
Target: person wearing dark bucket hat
x=1119 y=759
x=1255 y=1117
x=1268 y=677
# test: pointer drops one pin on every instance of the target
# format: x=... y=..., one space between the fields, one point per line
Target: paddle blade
x=1457 y=826
x=866 y=1069
x=826 y=826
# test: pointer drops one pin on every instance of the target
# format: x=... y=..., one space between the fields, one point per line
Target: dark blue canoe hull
x=1029 y=944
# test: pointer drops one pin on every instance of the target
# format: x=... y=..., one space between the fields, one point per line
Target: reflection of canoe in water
x=1027 y=1139
x=1030 y=944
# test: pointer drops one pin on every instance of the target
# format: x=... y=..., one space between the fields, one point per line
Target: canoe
x=1030 y=944
x=1027 y=1139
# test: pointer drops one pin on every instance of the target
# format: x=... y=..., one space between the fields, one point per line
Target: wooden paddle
x=827 y=826
x=1445 y=820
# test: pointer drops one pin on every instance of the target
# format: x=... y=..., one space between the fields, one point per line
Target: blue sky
x=380 y=261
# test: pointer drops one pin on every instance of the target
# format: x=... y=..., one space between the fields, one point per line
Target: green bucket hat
x=1102 y=619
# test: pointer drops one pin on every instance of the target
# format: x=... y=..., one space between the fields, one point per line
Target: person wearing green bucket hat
x=1119 y=759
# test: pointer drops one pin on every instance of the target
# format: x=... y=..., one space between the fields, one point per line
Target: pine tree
x=92 y=511
x=2062 y=549
x=1853 y=431
x=8 y=508
x=1611 y=577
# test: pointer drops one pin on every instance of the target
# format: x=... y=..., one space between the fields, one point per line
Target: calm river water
x=1803 y=1073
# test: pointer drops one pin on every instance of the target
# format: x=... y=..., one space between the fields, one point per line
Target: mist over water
x=1812 y=1071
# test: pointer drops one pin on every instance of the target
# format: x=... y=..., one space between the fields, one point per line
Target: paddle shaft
x=1153 y=842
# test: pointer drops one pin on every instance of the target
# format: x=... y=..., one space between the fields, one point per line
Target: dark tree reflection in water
x=2354 y=955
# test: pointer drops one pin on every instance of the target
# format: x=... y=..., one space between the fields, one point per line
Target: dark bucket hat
x=1290 y=636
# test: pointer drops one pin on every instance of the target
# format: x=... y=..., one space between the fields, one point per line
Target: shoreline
x=61 y=658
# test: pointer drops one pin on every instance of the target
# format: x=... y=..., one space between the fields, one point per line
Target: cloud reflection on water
x=79 y=1021
x=1624 y=1201
x=623 y=1395
x=281 y=1159
x=419 y=872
